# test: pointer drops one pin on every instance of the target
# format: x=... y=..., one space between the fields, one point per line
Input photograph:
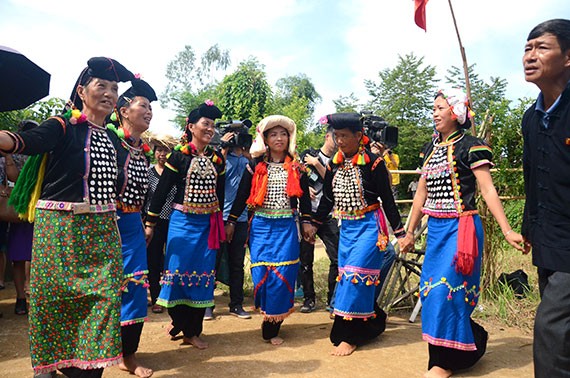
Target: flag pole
x=465 y=66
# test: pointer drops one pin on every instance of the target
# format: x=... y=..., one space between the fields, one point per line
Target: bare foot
x=343 y=349
x=131 y=364
x=437 y=372
x=196 y=342
x=275 y=340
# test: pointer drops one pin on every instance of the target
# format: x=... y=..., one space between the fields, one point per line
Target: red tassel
x=258 y=185
x=293 y=177
x=467 y=248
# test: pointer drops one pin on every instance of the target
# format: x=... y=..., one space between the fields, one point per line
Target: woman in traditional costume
x=354 y=181
x=196 y=225
x=130 y=119
x=454 y=164
x=274 y=187
x=162 y=146
x=76 y=260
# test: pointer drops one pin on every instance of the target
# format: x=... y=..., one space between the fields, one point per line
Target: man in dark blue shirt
x=546 y=163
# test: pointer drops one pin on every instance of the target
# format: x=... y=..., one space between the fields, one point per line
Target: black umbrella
x=22 y=82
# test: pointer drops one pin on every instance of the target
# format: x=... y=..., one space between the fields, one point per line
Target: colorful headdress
x=258 y=147
x=458 y=102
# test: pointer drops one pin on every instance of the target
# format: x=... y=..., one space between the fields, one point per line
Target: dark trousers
x=329 y=234
x=455 y=359
x=551 y=349
x=155 y=257
x=236 y=256
x=358 y=331
x=270 y=330
x=130 y=338
x=187 y=319
x=73 y=372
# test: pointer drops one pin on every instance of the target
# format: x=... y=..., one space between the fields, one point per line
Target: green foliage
x=299 y=86
x=483 y=94
x=347 y=104
x=189 y=83
x=404 y=94
x=245 y=93
x=39 y=111
x=507 y=142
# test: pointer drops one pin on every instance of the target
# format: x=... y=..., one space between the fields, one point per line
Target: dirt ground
x=237 y=350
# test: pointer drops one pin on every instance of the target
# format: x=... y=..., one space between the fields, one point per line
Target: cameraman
x=316 y=162
x=235 y=145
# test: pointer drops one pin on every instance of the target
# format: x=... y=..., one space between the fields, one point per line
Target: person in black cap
x=69 y=187
x=359 y=178
x=130 y=119
x=196 y=226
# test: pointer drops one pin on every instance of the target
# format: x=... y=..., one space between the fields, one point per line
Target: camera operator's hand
x=225 y=139
x=308 y=231
x=229 y=228
x=377 y=148
x=311 y=160
x=312 y=193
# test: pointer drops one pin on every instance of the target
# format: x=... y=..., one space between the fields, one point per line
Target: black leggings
x=358 y=331
x=187 y=320
x=270 y=330
x=455 y=359
x=130 y=337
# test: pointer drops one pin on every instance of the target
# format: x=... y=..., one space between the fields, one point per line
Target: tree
x=245 y=93
x=347 y=104
x=483 y=94
x=404 y=94
x=299 y=86
x=189 y=83
x=39 y=112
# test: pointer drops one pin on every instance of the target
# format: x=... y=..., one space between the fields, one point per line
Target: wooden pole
x=465 y=65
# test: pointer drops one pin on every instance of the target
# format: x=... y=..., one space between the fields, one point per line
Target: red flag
x=420 y=13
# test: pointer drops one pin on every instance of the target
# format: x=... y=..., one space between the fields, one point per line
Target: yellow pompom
x=76 y=113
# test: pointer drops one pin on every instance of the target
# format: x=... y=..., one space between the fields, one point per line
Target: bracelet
x=149 y=225
x=508 y=232
x=410 y=232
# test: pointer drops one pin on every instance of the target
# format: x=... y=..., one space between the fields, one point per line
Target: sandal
x=21 y=307
x=157 y=309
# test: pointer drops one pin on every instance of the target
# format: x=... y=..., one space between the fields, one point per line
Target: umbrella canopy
x=22 y=82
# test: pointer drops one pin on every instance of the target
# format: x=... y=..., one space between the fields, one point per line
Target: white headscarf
x=258 y=147
x=458 y=102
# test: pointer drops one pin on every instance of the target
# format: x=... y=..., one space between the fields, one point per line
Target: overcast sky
x=337 y=44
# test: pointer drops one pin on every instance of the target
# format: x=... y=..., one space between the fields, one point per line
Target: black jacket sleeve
x=165 y=184
x=305 y=200
x=381 y=181
x=327 y=200
x=41 y=139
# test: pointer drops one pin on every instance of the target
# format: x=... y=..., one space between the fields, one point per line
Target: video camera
x=315 y=180
x=377 y=129
x=242 y=137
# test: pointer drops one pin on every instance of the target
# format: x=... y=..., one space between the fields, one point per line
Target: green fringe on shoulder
x=24 y=187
